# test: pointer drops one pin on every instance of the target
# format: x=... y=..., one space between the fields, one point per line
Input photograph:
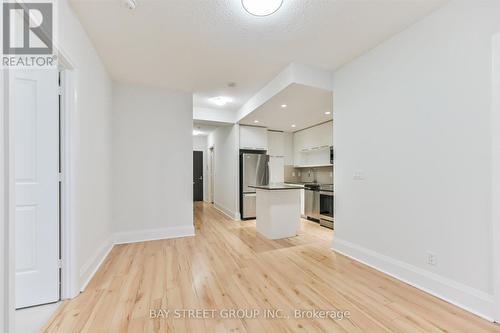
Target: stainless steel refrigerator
x=254 y=170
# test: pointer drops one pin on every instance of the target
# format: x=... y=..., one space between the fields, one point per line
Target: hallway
x=228 y=266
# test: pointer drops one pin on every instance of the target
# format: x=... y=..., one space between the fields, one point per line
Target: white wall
x=495 y=183
x=153 y=163
x=413 y=115
x=225 y=141
x=200 y=144
x=212 y=115
x=90 y=144
x=5 y=302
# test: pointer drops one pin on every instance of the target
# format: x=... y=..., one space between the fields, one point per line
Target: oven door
x=326 y=205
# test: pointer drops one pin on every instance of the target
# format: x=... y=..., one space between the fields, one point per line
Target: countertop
x=277 y=186
x=321 y=187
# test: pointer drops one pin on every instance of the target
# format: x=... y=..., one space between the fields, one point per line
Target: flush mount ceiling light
x=294 y=126
x=256 y=121
x=220 y=100
x=131 y=4
x=327 y=112
x=262 y=7
x=284 y=106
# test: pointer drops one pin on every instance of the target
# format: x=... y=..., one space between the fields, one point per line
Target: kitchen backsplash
x=323 y=175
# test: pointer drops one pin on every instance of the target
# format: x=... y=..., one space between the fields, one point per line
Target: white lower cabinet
x=303 y=203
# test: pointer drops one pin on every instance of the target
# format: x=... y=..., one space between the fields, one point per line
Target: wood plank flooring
x=227 y=265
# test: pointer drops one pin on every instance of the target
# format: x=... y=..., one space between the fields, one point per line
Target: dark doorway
x=197 y=176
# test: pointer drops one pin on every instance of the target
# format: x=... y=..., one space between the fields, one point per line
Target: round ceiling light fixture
x=262 y=7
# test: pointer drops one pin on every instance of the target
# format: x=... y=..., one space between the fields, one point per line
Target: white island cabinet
x=278 y=210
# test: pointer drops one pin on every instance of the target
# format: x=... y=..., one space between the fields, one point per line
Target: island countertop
x=277 y=186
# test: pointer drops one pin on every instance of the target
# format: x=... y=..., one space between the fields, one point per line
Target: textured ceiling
x=201 y=45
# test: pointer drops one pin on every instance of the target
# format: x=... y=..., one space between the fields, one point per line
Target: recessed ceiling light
x=262 y=7
x=284 y=106
x=220 y=100
x=327 y=112
x=294 y=126
x=256 y=121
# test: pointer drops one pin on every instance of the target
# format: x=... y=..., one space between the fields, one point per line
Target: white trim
x=495 y=190
x=10 y=207
x=136 y=236
x=89 y=269
x=456 y=293
x=7 y=315
x=229 y=213
x=69 y=277
x=3 y=218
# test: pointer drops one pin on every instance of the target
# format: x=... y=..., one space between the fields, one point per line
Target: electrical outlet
x=431 y=259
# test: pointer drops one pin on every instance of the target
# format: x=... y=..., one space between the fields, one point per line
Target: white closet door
x=35 y=106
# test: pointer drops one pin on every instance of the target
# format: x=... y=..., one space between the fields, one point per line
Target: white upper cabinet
x=253 y=138
x=316 y=137
x=312 y=145
x=276 y=143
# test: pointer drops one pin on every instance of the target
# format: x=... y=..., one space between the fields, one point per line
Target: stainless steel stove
x=326 y=206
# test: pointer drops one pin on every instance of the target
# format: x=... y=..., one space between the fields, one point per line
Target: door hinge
x=59 y=263
x=60 y=177
x=60 y=90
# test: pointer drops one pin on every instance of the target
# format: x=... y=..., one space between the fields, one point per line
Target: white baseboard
x=89 y=269
x=229 y=213
x=456 y=293
x=152 y=234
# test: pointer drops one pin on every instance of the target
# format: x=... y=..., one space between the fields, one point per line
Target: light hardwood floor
x=228 y=266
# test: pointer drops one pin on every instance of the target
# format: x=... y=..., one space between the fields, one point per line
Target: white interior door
x=35 y=106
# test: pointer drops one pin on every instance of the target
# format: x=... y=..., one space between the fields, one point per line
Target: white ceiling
x=306 y=106
x=201 y=45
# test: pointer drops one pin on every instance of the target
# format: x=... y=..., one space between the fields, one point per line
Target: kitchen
x=287 y=146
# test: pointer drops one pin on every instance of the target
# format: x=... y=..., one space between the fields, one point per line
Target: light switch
x=358 y=175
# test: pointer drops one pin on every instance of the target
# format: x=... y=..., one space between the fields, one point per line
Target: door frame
x=69 y=271
x=495 y=190
x=211 y=174
x=69 y=276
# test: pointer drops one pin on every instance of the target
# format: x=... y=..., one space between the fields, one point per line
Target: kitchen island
x=278 y=210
